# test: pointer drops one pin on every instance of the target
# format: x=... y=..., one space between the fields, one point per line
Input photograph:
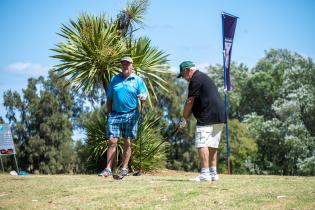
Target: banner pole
x=2 y=164
x=16 y=163
x=226 y=102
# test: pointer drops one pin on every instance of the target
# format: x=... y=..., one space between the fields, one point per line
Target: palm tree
x=89 y=56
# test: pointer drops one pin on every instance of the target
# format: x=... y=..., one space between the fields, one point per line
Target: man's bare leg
x=111 y=151
x=213 y=157
x=204 y=156
x=213 y=163
x=126 y=153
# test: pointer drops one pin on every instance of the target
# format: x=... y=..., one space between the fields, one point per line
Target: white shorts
x=208 y=136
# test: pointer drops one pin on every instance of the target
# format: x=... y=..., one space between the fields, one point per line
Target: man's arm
x=142 y=91
x=109 y=105
x=188 y=106
x=186 y=113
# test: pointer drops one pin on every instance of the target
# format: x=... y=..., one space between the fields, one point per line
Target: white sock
x=205 y=171
x=213 y=171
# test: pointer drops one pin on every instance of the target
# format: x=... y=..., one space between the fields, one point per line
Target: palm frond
x=132 y=16
x=151 y=64
x=90 y=56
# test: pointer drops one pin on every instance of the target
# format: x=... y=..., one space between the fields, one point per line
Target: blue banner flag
x=228 y=27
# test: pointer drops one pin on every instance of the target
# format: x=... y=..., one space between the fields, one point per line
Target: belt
x=125 y=112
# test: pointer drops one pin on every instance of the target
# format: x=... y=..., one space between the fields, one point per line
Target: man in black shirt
x=205 y=103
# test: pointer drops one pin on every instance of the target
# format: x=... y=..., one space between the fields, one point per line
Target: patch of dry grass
x=167 y=190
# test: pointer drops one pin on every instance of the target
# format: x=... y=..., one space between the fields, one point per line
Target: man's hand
x=181 y=124
x=142 y=97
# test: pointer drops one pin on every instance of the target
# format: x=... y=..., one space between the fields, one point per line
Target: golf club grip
x=174 y=132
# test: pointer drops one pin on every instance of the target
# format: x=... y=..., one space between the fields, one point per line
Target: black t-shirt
x=208 y=107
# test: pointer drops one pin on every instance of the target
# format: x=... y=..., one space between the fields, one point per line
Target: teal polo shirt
x=123 y=92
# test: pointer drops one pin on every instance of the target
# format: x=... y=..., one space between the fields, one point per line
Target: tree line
x=271 y=118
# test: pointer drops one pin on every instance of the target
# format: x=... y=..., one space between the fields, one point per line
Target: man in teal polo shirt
x=122 y=105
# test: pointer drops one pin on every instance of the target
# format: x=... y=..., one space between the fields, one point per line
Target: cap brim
x=126 y=61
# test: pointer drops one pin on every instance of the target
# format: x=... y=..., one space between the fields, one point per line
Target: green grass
x=163 y=191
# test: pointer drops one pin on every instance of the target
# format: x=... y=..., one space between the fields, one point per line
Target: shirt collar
x=132 y=75
x=195 y=73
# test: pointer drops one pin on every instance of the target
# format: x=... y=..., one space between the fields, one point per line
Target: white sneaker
x=215 y=178
x=201 y=178
x=105 y=173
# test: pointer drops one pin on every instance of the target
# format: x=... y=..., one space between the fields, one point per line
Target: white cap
x=126 y=58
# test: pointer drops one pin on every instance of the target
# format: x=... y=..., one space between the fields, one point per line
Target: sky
x=186 y=30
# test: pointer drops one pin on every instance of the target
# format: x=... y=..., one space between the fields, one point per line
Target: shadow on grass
x=172 y=180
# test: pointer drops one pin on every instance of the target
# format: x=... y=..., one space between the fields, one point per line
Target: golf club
x=140 y=138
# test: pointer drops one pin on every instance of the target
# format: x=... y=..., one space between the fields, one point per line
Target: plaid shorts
x=126 y=123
